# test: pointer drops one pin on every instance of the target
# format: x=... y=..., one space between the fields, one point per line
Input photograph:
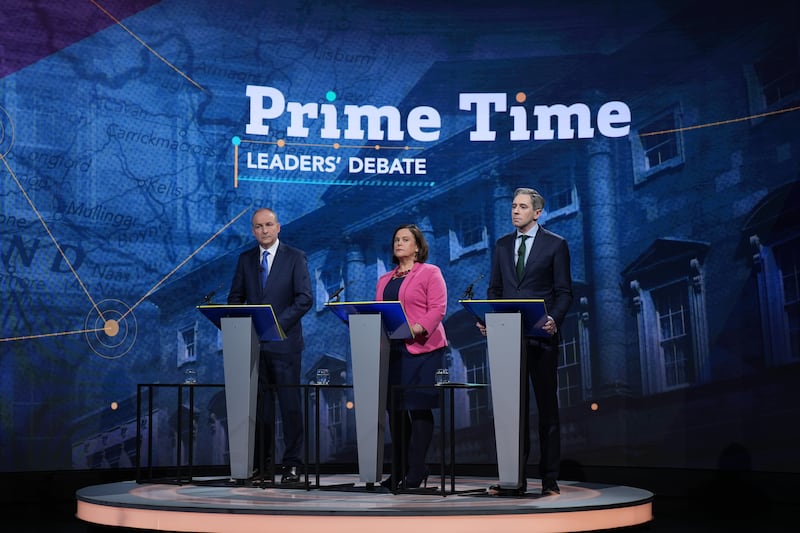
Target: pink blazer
x=424 y=298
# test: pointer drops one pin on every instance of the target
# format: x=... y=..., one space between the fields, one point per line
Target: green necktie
x=521 y=257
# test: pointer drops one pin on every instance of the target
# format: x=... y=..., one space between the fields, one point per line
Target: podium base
x=582 y=506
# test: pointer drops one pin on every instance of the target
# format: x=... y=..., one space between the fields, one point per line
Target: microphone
x=335 y=296
x=468 y=292
x=207 y=297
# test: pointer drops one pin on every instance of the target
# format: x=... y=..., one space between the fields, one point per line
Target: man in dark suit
x=539 y=268
x=275 y=273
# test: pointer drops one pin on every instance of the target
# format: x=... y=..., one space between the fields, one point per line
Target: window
x=779 y=294
x=475 y=365
x=773 y=80
x=570 y=384
x=561 y=198
x=789 y=265
x=468 y=233
x=187 y=338
x=332 y=423
x=671 y=310
x=773 y=231
x=470 y=229
x=657 y=146
x=669 y=300
x=778 y=73
x=790 y=274
x=327 y=283
x=335 y=428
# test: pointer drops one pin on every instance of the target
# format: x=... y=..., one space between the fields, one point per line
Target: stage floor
x=344 y=504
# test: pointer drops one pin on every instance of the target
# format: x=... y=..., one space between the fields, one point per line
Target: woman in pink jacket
x=413 y=362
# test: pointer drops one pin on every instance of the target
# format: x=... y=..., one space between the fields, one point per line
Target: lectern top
x=263 y=316
x=534 y=312
x=394 y=318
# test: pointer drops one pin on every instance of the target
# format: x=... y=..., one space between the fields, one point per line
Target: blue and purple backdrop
x=137 y=138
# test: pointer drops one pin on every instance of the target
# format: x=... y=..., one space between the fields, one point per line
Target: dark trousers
x=412 y=433
x=542 y=368
x=279 y=369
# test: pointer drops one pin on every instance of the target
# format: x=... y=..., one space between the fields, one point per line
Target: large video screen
x=137 y=139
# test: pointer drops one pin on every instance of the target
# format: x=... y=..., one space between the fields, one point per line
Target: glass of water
x=323 y=376
x=190 y=376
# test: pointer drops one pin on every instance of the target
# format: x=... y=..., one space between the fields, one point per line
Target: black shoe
x=550 y=487
x=414 y=482
x=497 y=490
x=387 y=483
x=290 y=475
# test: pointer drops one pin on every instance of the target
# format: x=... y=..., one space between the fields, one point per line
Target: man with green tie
x=534 y=263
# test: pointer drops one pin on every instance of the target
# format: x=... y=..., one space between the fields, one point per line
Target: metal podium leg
x=369 y=348
x=240 y=352
x=507 y=377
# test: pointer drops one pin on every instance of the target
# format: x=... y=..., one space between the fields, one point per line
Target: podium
x=243 y=327
x=508 y=323
x=372 y=325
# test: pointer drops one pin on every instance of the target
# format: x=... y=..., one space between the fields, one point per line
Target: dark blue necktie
x=264 y=269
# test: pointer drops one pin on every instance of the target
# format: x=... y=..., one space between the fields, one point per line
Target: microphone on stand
x=207 y=297
x=335 y=296
x=468 y=292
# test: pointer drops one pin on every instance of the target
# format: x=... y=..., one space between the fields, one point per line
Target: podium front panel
x=240 y=352
x=370 y=355
x=507 y=372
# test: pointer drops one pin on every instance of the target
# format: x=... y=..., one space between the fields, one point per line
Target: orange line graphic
x=43 y=335
x=157 y=285
x=52 y=237
x=722 y=122
x=159 y=56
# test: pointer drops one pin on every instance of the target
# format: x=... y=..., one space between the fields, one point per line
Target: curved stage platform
x=341 y=505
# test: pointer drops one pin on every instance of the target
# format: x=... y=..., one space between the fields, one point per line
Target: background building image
x=681 y=351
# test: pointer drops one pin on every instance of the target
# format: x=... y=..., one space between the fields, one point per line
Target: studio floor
x=37 y=506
